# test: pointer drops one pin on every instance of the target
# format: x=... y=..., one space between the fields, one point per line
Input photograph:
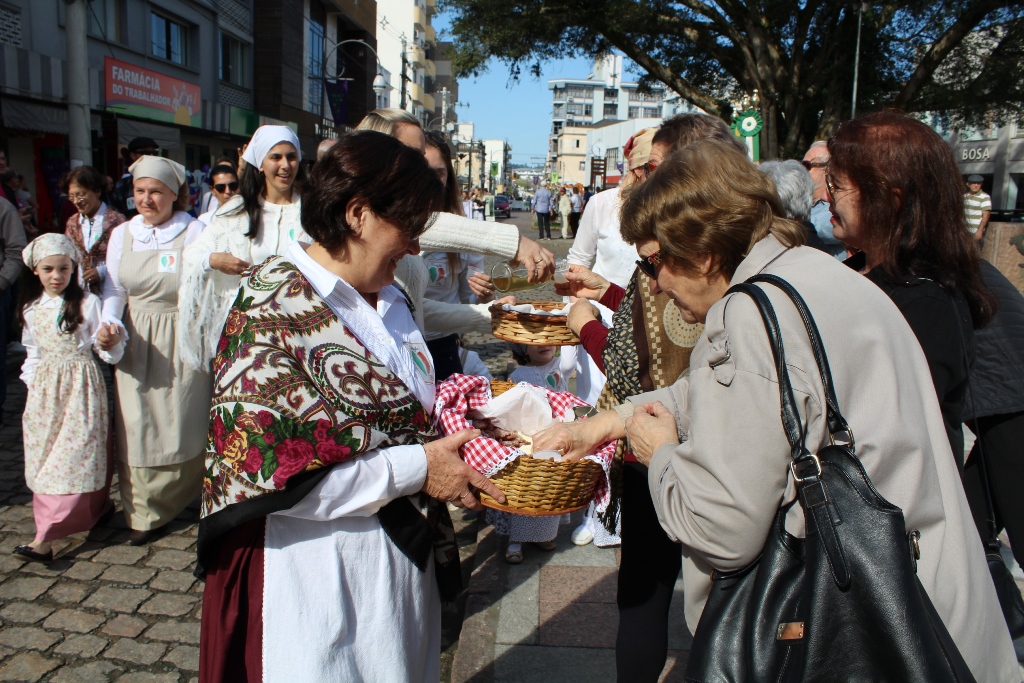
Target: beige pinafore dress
x=163 y=405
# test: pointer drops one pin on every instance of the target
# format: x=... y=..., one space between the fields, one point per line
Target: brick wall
x=10 y=26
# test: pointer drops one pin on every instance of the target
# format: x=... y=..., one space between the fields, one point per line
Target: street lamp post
x=379 y=85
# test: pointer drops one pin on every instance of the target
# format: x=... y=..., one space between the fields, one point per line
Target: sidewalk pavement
x=551 y=618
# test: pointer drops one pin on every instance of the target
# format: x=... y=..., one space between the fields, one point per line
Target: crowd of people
x=306 y=316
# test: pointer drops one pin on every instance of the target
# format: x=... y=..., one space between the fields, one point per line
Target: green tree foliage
x=963 y=58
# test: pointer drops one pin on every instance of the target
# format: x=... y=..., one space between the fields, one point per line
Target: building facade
x=179 y=71
x=406 y=42
x=996 y=153
x=499 y=157
x=600 y=99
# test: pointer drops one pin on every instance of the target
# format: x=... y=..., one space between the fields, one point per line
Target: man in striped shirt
x=977 y=207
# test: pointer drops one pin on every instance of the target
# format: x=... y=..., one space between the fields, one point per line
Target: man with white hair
x=815 y=162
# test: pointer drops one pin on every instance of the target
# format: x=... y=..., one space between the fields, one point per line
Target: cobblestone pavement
x=106 y=611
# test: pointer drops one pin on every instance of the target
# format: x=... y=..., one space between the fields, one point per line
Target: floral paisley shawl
x=296 y=392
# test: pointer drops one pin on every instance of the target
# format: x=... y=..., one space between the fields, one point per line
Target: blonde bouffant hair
x=707 y=199
x=387 y=121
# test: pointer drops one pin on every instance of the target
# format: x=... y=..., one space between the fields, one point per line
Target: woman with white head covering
x=162 y=404
x=66 y=419
x=261 y=221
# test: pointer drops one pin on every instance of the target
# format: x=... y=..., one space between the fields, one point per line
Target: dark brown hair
x=911 y=203
x=30 y=288
x=452 y=193
x=682 y=129
x=707 y=199
x=392 y=177
x=252 y=184
x=87 y=178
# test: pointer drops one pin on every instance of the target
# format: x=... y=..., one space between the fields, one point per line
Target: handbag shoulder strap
x=805 y=466
x=837 y=424
x=791 y=422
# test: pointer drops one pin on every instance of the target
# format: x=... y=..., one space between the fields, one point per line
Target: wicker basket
x=541 y=488
x=535 y=330
x=500 y=386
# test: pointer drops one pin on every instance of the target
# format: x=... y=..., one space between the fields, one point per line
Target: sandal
x=514 y=556
x=546 y=545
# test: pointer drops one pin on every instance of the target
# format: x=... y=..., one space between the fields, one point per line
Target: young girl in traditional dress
x=543 y=367
x=66 y=418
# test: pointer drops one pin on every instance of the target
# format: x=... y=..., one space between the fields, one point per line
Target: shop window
x=1015 y=197
x=234 y=61
x=170 y=39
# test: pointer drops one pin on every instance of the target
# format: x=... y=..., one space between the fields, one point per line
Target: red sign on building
x=140 y=92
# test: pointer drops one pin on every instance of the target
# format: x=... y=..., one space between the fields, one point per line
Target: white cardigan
x=205 y=295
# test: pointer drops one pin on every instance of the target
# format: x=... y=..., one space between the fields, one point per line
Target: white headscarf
x=264 y=139
x=49 y=244
x=170 y=173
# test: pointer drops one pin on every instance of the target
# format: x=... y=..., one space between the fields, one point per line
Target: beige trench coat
x=718 y=491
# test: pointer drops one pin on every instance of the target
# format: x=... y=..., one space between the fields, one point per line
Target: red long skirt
x=231 y=637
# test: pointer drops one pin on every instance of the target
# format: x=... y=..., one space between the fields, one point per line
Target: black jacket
x=997 y=378
x=942 y=323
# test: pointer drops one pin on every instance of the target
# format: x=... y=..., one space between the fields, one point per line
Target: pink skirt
x=60 y=515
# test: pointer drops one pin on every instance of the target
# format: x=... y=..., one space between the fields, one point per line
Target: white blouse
x=313 y=543
x=85 y=335
x=144 y=238
x=599 y=244
x=553 y=375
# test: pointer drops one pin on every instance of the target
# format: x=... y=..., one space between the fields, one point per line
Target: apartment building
x=406 y=42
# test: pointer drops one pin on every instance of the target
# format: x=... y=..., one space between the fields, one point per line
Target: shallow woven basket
x=500 y=386
x=535 y=330
x=541 y=488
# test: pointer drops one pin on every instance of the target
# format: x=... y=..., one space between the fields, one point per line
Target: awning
x=42 y=118
x=165 y=136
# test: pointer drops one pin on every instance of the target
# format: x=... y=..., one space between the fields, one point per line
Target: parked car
x=502 y=207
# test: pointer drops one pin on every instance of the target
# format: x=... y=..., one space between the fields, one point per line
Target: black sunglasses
x=222 y=187
x=649 y=265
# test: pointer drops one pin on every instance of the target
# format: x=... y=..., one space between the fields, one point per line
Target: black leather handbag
x=843 y=604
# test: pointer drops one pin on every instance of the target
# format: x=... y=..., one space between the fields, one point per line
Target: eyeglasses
x=223 y=187
x=811 y=165
x=832 y=189
x=649 y=264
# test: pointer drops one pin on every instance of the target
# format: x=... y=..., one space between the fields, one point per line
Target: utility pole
x=403 y=79
x=856 y=60
x=79 y=129
x=444 y=109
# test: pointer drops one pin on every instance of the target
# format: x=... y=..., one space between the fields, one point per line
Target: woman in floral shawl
x=325 y=541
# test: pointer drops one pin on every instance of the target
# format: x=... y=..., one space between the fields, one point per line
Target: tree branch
x=940 y=49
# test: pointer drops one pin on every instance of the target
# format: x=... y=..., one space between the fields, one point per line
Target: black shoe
x=27 y=552
x=140 y=537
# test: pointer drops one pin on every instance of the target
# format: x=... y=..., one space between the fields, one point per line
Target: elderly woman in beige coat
x=718 y=456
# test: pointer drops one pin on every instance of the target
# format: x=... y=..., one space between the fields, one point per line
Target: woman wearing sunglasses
x=223 y=186
x=261 y=221
x=648 y=347
x=718 y=456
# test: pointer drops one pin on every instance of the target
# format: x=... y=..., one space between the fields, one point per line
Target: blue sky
x=519 y=112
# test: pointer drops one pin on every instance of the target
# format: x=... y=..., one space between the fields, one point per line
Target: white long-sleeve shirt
x=144 y=238
x=327 y=559
x=599 y=244
x=85 y=335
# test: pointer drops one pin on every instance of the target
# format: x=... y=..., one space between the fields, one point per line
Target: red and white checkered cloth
x=459 y=394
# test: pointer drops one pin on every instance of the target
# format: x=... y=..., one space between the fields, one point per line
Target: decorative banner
x=337 y=95
x=494 y=169
x=749 y=123
x=151 y=95
x=554 y=176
